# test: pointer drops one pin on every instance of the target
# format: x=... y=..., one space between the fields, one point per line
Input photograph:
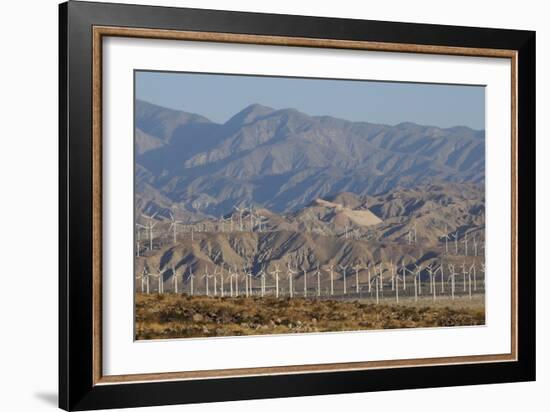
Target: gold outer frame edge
x=102 y=31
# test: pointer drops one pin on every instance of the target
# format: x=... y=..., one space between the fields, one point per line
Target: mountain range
x=283 y=160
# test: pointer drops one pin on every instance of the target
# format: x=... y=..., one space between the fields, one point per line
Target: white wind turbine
x=474 y=240
x=144 y=277
x=464 y=274
x=331 y=269
x=221 y=281
x=175 y=277
x=376 y=280
x=250 y=279
x=150 y=225
x=190 y=280
x=262 y=274
x=473 y=269
x=416 y=277
x=138 y=234
x=250 y=212
x=236 y=275
x=290 y=273
x=367 y=266
x=380 y=271
x=447 y=238
x=431 y=274
x=275 y=273
x=160 y=288
x=305 y=281
x=452 y=275
x=241 y=211
x=231 y=276
x=344 y=267
x=357 y=267
x=465 y=241
x=396 y=287
x=318 y=273
x=174 y=227
x=215 y=275
x=392 y=273
x=206 y=276
x=455 y=237
x=419 y=276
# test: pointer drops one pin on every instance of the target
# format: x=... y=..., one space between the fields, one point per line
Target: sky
x=219 y=97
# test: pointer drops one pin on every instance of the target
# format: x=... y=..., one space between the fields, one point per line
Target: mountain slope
x=284 y=159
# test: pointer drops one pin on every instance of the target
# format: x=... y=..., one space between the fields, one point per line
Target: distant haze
x=219 y=97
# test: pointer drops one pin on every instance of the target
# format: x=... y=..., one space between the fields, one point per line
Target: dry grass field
x=171 y=316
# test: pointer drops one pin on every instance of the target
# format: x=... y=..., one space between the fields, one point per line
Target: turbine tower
x=331 y=268
x=447 y=238
x=150 y=225
x=344 y=267
x=173 y=226
x=276 y=275
x=357 y=267
x=241 y=211
x=291 y=274
x=191 y=278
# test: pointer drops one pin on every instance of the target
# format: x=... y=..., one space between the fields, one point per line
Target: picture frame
x=83 y=27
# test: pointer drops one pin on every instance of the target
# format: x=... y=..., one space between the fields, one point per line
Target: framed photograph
x=257 y=205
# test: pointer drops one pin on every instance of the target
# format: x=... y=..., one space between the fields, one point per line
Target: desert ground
x=169 y=316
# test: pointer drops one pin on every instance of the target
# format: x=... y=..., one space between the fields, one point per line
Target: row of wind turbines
x=440 y=279
x=241 y=222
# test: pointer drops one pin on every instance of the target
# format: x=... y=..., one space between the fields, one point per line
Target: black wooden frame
x=76 y=388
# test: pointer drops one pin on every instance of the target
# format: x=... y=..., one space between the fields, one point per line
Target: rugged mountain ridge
x=283 y=159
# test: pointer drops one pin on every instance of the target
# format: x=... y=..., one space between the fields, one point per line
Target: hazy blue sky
x=218 y=97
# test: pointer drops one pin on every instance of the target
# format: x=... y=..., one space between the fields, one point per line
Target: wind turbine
x=392 y=272
x=144 y=280
x=291 y=274
x=419 y=276
x=331 y=269
x=236 y=274
x=464 y=273
x=221 y=281
x=191 y=278
x=416 y=275
x=250 y=278
x=160 y=288
x=241 y=211
x=206 y=276
x=344 y=267
x=465 y=241
x=473 y=269
x=474 y=239
x=262 y=281
x=431 y=273
x=175 y=276
x=376 y=280
x=305 y=281
x=250 y=211
x=173 y=226
x=452 y=275
x=318 y=273
x=139 y=237
x=447 y=238
x=276 y=275
x=215 y=280
x=455 y=237
x=150 y=225
x=380 y=270
x=357 y=267
x=368 y=276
